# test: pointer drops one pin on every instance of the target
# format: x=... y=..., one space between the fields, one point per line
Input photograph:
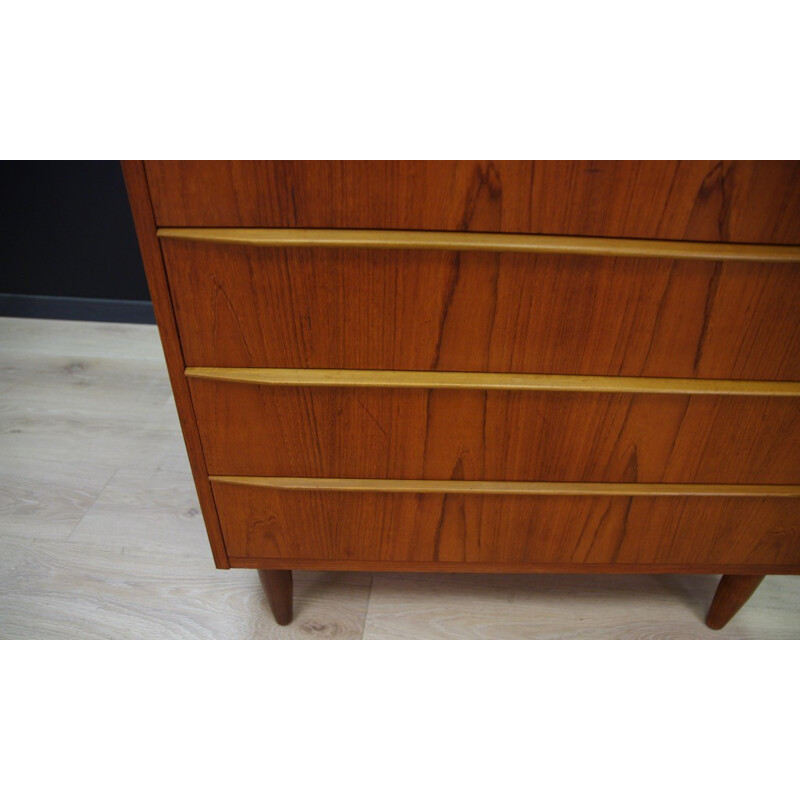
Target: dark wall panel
x=66 y=231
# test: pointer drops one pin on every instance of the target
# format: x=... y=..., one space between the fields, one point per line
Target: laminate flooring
x=101 y=536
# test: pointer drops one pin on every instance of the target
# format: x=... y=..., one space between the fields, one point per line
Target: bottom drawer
x=671 y=533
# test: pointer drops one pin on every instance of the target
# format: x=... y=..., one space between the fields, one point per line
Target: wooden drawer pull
x=485 y=381
x=497 y=242
x=512 y=487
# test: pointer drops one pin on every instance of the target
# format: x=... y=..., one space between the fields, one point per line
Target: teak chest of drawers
x=484 y=366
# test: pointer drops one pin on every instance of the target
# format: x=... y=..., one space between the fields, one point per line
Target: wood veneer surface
x=497 y=435
x=736 y=201
x=475 y=312
x=379 y=527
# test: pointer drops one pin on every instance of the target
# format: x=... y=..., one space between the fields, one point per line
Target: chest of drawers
x=484 y=366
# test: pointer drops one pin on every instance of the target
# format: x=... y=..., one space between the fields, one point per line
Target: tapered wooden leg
x=732 y=593
x=277 y=584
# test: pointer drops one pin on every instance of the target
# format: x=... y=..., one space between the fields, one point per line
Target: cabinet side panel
x=144 y=220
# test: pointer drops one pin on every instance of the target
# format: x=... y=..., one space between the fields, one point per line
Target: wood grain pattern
x=141 y=207
x=485 y=242
x=371 y=526
x=425 y=606
x=517 y=436
x=82 y=397
x=489 y=381
x=727 y=201
x=62 y=590
x=38 y=495
x=168 y=519
x=484 y=312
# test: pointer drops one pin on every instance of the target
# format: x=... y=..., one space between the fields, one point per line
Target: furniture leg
x=732 y=593
x=277 y=585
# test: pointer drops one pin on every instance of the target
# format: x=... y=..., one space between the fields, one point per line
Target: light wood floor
x=101 y=535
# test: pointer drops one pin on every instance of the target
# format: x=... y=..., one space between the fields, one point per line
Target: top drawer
x=732 y=201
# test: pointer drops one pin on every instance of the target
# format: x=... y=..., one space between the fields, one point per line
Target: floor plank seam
x=91 y=506
x=369 y=600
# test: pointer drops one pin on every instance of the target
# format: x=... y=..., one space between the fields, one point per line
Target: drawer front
x=358 y=526
x=442 y=434
x=694 y=200
x=478 y=311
